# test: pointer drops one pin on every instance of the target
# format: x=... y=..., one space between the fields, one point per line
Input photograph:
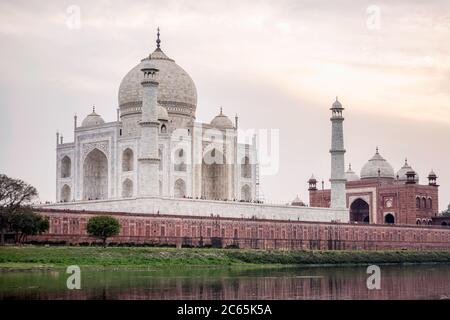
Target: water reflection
x=397 y=282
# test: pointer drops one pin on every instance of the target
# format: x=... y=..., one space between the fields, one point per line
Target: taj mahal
x=156 y=159
x=155 y=147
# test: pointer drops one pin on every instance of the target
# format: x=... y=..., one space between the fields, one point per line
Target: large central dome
x=176 y=92
x=376 y=167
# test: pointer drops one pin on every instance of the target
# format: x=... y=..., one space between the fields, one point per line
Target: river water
x=397 y=282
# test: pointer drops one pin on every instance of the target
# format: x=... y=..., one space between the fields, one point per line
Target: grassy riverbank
x=29 y=257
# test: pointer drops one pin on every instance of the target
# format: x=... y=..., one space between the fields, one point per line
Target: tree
x=103 y=227
x=446 y=213
x=26 y=223
x=14 y=195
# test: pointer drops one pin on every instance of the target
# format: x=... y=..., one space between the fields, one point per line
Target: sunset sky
x=278 y=64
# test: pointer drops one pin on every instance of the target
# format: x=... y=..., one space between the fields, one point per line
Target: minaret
x=337 y=157
x=432 y=179
x=148 y=161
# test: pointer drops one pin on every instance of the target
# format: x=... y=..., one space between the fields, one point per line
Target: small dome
x=337 y=104
x=375 y=164
x=221 y=121
x=297 y=202
x=92 y=120
x=312 y=179
x=401 y=174
x=432 y=174
x=350 y=175
x=163 y=115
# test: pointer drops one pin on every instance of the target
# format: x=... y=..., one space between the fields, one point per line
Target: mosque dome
x=401 y=174
x=377 y=164
x=176 y=90
x=350 y=175
x=162 y=113
x=93 y=119
x=221 y=121
x=297 y=202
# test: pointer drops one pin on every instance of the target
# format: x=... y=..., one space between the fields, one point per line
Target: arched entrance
x=95 y=176
x=65 y=193
x=246 y=168
x=359 y=211
x=66 y=167
x=214 y=176
x=127 y=188
x=180 y=188
x=127 y=160
x=389 y=218
x=246 y=194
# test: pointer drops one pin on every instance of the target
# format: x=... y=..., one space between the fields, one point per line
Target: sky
x=277 y=64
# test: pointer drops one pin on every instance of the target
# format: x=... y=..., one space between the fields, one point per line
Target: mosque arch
x=127 y=160
x=430 y=203
x=214 y=176
x=66 y=167
x=389 y=218
x=180 y=189
x=418 y=222
x=444 y=223
x=65 y=193
x=163 y=129
x=127 y=188
x=95 y=176
x=359 y=211
x=246 y=168
x=424 y=203
x=418 y=202
x=246 y=193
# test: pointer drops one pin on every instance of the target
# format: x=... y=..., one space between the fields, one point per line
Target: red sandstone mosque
x=379 y=196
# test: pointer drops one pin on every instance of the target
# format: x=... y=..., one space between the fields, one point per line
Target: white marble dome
x=176 y=89
x=401 y=174
x=375 y=164
x=350 y=175
x=221 y=121
x=93 y=119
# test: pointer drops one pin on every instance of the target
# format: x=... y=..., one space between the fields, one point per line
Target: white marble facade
x=195 y=160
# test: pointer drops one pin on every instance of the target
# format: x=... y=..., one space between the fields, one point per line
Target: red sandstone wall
x=245 y=233
x=320 y=198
